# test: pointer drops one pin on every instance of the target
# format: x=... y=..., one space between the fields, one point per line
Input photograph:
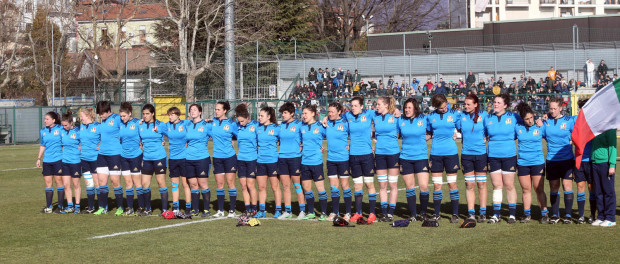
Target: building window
x=123 y=32
x=142 y=34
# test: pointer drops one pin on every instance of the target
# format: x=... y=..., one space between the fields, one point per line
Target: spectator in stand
x=415 y=85
x=357 y=78
x=390 y=82
x=551 y=77
x=461 y=84
x=428 y=87
x=327 y=77
x=373 y=89
x=333 y=76
x=319 y=75
x=602 y=69
x=441 y=87
x=340 y=77
x=348 y=78
x=521 y=83
x=530 y=84
x=501 y=83
x=589 y=67
x=471 y=79
x=312 y=76
x=482 y=85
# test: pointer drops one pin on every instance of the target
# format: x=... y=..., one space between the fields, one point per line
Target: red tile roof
x=105 y=12
x=138 y=59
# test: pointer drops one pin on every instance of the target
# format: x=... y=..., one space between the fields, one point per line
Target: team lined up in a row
x=116 y=142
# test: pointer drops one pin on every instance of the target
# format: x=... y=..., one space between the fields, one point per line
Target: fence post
x=494 y=64
x=14 y=127
x=383 y=72
x=524 y=62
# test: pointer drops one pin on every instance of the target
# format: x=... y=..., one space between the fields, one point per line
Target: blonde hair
x=390 y=102
x=89 y=112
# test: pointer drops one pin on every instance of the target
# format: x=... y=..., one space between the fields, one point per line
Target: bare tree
x=9 y=40
x=408 y=15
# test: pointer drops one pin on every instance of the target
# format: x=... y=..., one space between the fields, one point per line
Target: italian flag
x=599 y=114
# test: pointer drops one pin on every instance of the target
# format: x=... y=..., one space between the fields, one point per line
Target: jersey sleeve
x=234 y=128
x=458 y=124
x=42 y=138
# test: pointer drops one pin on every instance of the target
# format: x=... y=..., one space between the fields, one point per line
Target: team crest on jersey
x=55 y=132
x=363 y=119
x=44 y=133
x=316 y=131
x=111 y=123
x=271 y=132
x=94 y=129
x=293 y=129
x=536 y=132
x=252 y=129
x=520 y=131
x=434 y=120
x=73 y=136
x=450 y=119
x=340 y=128
x=181 y=129
x=508 y=121
x=402 y=124
x=201 y=129
x=563 y=126
x=391 y=120
x=226 y=127
x=464 y=118
x=490 y=122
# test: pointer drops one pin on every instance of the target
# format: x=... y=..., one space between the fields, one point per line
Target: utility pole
x=229 y=54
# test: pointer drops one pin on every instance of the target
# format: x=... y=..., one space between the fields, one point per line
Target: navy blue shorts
x=247 y=169
x=449 y=163
x=362 y=165
x=176 y=168
x=312 y=172
x=52 y=168
x=289 y=166
x=133 y=165
x=584 y=173
x=384 y=162
x=267 y=169
x=197 y=168
x=90 y=166
x=154 y=166
x=339 y=168
x=503 y=164
x=72 y=169
x=475 y=163
x=226 y=165
x=534 y=170
x=560 y=169
x=413 y=166
x=113 y=162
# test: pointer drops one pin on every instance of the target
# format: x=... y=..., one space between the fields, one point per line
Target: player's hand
x=38 y=163
x=348 y=148
x=539 y=122
x=141 y=121
x=324 y=121
x=322 y=149
x=545 y=117
x=428 y=137
x=454 y=136
x=163 y=143
x=612 y=171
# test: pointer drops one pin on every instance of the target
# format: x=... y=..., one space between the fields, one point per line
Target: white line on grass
x=19 y=169
x=157 y=228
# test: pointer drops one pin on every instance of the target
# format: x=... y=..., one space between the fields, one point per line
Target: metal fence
x=20 y=125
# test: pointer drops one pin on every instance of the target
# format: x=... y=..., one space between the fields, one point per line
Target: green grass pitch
x=28 y=236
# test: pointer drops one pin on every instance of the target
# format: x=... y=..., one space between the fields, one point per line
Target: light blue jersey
x=177 y=138
x=268 y=143
x=222 y=133
x=197 y=139
x=413 y=132
x=337 y=134
x=312 y=137
x=70 y=145
x=442 y=127
x=558 y=136
x=386 y=133
x=473 y=134
x=360 y=132
x=530 y=145
x=152 y=140
x=290 y=139
x=130 y=138
x=50 y=139
x=501 y=133
x=89 y=141
x=110 y=139
x=247 y=141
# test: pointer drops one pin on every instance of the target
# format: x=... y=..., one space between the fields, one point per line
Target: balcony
x=548 y=3
x=611 y=4
x=517 y=3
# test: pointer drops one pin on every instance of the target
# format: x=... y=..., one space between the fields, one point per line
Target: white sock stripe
x=382 y=178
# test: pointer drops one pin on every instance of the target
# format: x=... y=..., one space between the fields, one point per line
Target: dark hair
x=582 y=102
x=504 y=97
x=174 y=110
x=557 y=100
x=474 y=98
x=150 y=108
x=311 y=107
x=67 y=117
x=242 y=111
x=337 y=105
x=271 y=112
x=416 y=106
x=126 y=108
x=54 y=115
x=225 y=105
x=103 y=107
x=197 y=106
x=523 y=108
x=288 y=107
x=438 y=99
x=359 y=99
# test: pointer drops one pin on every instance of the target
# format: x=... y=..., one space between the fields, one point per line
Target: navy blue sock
x=103 y=196
x=206 y=199
x=391 y=209
x=248 y=208
x=544 y=212
x=497 y=208
x=118 y=194
x=302 y=207
x=261 y=208
x=90 y=194
x=221 y=195
x=129 y=194
x=49 y=196
x=310 y=201
x=140 y=193
x=232 y=194
x=454 y=200
x=512 y=209
x=335 y=200
x=592 y=205
x=359 y=197
x=323 y=201
x=164 y=198
x=437 y=197
x=424 y=196
x=188 y=206
x=569 y=196
x=372 y=202
x=554 y=198
x=581 y=203
x=411 y=201
x=278 y=208
x=288 y=208
x=384 y=208
x=195 y=203
x=147 y=199
x=61 y=196
x=483 y=210
x=347 y=195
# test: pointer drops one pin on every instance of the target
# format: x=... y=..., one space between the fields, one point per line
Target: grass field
x=29 y=236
